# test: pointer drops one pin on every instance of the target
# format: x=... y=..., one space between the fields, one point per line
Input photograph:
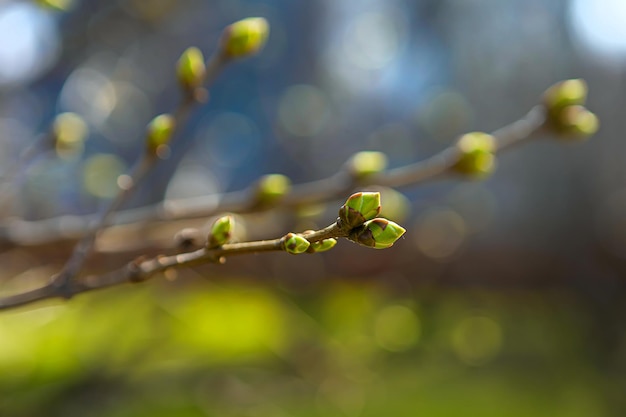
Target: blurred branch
x=241 y=39
x=244 y=201
x=126 y=185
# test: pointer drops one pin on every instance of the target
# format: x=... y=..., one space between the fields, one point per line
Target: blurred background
x=506 y=298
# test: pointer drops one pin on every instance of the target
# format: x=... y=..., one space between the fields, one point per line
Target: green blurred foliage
x=239 y=348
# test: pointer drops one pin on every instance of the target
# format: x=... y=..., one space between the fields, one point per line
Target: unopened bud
x=378 y=233
x=191 y=69
x=477 y=157
x=69 y=132
x=245 y=37
x=576 y=122
x=271 y=188
x=221 y=232
x=565 y=93
x=358 y=208
x=323 y=245
x=295 y=244
x=60 y=5
x=159 y=132
x=366 y=163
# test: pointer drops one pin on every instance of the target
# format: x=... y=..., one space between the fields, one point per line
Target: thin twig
x=63 y=281
x=141 y=270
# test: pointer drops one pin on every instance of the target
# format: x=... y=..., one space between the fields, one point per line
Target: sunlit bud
x=69 y=132
x=477 y=158
x=295 y=244
x=221 y=231
x=191 y=68
x=271 y=188
x=366 y=163
x=565 y=93
x=323 y=245
x=358 y=208
x=61 y=5
x=576 y=122
x=245 y=37
x=159 y=132
x=377 y=233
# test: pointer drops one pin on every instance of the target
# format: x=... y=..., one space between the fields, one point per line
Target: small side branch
x=143 y=269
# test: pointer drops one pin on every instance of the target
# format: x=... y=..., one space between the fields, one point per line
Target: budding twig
x=385 y=233
x=159 y=133
x=245 y=201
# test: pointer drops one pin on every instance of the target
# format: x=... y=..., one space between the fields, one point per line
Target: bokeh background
x=506 y=298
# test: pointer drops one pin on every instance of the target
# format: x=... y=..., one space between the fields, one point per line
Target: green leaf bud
x=367 y=163
x=60 y=5
x=358 y=208
x=576 y=122
x=377 y=233
x=69 y=132
x=323 y=245
x=221 y=231
x=477 y=157
x=159 y=132
x=565 y=93
x=191 y=68
x=271 y=188
x=295 y=244
x=245 y=37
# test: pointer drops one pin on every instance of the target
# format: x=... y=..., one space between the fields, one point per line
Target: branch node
x=135 y=274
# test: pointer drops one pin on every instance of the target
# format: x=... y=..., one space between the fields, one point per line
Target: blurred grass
x=240 y=348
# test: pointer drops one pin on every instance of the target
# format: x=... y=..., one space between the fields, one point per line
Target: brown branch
x=142 y=269
x=145 y=163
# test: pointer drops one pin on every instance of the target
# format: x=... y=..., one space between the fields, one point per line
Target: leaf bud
x=323 y=245
x=69 y=132
x=358 y=208
x=366 y=163
x=295 y=244
x=377 y=233
x=221 y=232
x=477 y=154
x=565 y=93
x=245 y=37
x=271 y=188
x=191 y=69
x=60 y=5
x=576 y=122
x=159 y=132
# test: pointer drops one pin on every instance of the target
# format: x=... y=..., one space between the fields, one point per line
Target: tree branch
x=142 y=269
x=328 y=189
